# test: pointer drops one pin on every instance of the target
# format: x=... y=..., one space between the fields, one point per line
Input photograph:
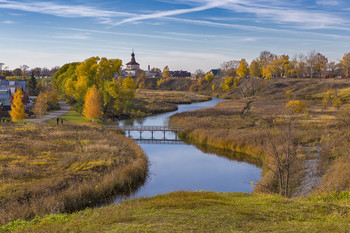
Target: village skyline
x=183 y=34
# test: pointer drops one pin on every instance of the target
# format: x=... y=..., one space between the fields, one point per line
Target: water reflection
x=185 y=167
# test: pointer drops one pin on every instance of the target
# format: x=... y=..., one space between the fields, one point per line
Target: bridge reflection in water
x=154 y=134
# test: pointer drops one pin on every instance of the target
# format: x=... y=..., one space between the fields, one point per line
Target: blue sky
x=183 y=34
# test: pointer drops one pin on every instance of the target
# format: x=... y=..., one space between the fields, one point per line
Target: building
x=179 y=74
x=132 y=67
x=14 y=85
x=214 y=72
x=5 y=96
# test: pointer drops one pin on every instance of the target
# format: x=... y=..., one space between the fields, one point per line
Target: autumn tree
x=255 y=69
x=345 y=64
x=17 y=112
x=227 y=83
x=166 y=72
x=243 y=70
x=316 y=63
x=209 y=77
x=41 y=105
x=128 y=83
x=92 y=106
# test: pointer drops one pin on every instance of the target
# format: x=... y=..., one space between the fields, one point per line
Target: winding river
x=175 y=167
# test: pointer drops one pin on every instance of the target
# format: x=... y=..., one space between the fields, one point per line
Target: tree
x=32 y=85
x=229 y=68
x=243 y=70
x=17 y=72
x=209 y=77
x=199 y=73
x=227 y=83
x=255 y=69
x=24 y=69
x=93 y=105
x=41 y=105
x=129 y=83
x=345 y=64
x=316 y=63
x=17 y=112
x=166 y=72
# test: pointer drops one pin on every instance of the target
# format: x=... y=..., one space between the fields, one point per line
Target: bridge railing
x=152 y=128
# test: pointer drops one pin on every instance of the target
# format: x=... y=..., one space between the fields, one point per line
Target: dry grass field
x=225 y=127
x=54 y=169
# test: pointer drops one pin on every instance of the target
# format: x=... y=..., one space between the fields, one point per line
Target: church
x=132 y=66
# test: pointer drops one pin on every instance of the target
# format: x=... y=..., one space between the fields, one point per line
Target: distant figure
x=61 y=121
x=58 y=120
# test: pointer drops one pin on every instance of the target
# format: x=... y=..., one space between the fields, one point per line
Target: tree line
x=73 y=81
x=269 y=65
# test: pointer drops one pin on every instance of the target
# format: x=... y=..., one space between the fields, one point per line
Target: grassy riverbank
x=149 y=102
x=225 y=127
x=204 y=212
x=54 y=169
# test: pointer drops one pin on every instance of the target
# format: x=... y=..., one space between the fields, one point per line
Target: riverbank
x=152 y=102
x=244 y=125
x=58 y=169
x=203 y=212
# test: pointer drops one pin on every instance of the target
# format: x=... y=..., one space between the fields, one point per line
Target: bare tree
x=229 y=68
x=281 y=151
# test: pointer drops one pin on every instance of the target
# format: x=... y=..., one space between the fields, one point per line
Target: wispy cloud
x=8 y=22
x=152 y=36
x=328 y=2
x=72 y=37
x=69 y=11
x=163 y=14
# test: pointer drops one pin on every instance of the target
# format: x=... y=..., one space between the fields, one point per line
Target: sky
x=182 y=34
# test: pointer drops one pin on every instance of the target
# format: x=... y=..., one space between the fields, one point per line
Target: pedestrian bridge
x=165 y=134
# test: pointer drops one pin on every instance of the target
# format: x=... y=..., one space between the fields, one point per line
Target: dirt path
x=312 y=177
x=52 y=115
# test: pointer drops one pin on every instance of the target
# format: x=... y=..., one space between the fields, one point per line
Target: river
x=175 y=167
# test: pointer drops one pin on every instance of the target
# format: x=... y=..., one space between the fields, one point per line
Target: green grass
x=75 y=118
x=203 y=212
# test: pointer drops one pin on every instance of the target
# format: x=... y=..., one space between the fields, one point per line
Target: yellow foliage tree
x=243 y=70
x=129 y=83
x=296 y=106
x=166 y=72
x=17 y=112
x=209 y=77
x=236 y=81
x=289 y=94
x=93 y=105
x=41 y=105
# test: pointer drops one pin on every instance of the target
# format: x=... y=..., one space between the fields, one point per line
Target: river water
x=175 y=167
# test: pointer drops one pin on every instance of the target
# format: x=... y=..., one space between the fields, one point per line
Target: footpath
x=52 y=115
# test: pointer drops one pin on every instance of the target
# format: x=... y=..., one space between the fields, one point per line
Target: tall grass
x=52 y=169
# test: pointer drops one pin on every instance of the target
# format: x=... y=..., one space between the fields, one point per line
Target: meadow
x=203 y=212
x=60 y=169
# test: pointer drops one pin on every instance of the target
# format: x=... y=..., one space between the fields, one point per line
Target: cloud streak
x=68 y=11
x=163 y=14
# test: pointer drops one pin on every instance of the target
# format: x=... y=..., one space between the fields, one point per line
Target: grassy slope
x=204 y=212
x=53 y=169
